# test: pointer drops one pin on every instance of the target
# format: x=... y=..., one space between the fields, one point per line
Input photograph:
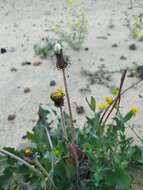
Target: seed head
x=57 y=48
x=61 y=62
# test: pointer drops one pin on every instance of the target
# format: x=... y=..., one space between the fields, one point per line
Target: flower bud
x=58 y=98
x=28 y=153
x=134 y=110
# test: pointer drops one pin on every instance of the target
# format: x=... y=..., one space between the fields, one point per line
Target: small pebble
x=101 y=59
x=108 y=34
x=111 y=26
x=102 y=37
x=26 y=63
x=115 y=45
x=27 y=90
x=132 y=47
x=37 y=63
x=86 y=49
x=52 y=83
x=3 y=50
x=13 y=69
x=123 y=57
x=11 y=117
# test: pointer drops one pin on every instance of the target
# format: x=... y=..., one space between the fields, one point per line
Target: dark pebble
x=115 y=45
x=102 y=37
x=3 y=50
x=52 y=83
x=11 y=117
x=86 y=49
x=13 y=69
x=26 y=63
x=27 y=90
x=123 y=57
x=101 y=59
x=132 y=47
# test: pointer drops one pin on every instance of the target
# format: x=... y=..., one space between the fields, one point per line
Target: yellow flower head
x=103 y=105
x=58 y=93
x=58 y=97
x=109 y=100
x=134 y=110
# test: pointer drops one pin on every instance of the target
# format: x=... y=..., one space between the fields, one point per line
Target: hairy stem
x=63 y=124
x=69 y=104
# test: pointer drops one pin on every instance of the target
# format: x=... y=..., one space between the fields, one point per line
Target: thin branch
x=31 y=167
x=118 y=97
x=135 y=133
x=122 y=93
x=132 y=86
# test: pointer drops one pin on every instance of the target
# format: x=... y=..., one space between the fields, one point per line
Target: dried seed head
x=61 y=62
x=58 y=48
x=58 y=97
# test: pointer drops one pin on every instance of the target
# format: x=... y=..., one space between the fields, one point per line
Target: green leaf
x=119 y=178
x=128 y=116
x=137 y=154
x=50 y=156
x=92 y=103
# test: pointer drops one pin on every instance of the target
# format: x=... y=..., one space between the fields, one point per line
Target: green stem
x=43 y=170
x=49 y=138
x=63 y=124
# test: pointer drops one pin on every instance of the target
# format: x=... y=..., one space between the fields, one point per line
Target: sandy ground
x=23 y=23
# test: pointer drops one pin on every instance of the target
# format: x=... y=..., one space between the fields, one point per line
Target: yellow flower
x=58 y=93
x=134 y=110
x=103 y=105
x=58 y=97
x=109 y=100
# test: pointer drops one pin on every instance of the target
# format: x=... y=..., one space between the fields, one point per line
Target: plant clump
x=96 y=156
